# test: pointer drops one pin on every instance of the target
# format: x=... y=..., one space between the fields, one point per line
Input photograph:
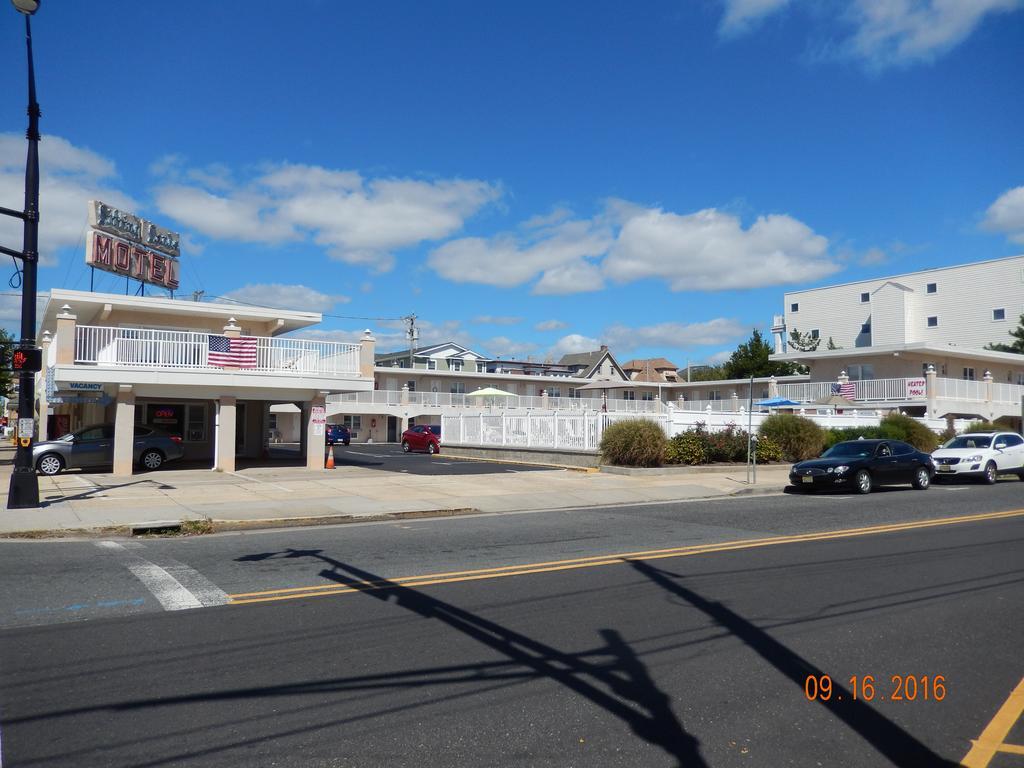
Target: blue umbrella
x=775 y=402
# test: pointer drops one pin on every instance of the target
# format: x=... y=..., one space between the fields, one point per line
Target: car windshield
x=843 y=450
x=969 y=441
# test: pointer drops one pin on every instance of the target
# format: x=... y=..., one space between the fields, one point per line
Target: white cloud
x=504 y=347
x=900 y=31
x=884 y=32
x=719 y=357
x=710 y=250
x=355 y=220
x=550 y=325
x=297 y=297
x=740 y=15
x=573 y=343
x=557 y=253
x=873 y=256
x=1006 y=215
x=69 y=177
x=624 y=339
x=497 y=319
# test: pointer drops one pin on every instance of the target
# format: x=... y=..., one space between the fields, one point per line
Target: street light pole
x=24 y=488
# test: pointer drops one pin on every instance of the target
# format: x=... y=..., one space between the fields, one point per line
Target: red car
x=422 y=437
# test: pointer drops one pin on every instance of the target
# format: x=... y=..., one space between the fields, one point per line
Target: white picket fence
x=558 y=430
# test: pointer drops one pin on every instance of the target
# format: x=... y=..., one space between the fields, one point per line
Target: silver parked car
x=94 y=446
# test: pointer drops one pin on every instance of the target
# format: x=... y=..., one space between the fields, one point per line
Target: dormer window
x=932 y=288
x=455 y=365
x=865 y=298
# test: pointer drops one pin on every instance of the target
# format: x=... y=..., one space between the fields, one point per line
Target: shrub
x=980 y=426
x=841 y=434
x=687 y=448
x=729 y=444
x=797 y=437
x=946 y=435
x=768 y=450
x=634 y=443
x=896 y=426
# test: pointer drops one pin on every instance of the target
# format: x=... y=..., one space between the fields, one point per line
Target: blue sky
x=529 y=178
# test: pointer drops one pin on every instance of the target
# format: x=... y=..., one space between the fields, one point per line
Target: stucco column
x=404 y=397
x=65 y=337
x=842 y=378
x=367 y=353
x=124 y=430
x=773 y=387
x=316 y=438
x=543 y=398
x=929 y=388
x=735 y=402
x=988 y=394
x=224 y=456
x=44 y=406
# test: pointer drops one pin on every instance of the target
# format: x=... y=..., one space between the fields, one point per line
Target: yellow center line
x=292 y=593
x=992 y=739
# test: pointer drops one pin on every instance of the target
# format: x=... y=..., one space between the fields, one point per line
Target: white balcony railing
x=186 y=350
x=806 y=391
x=960 y=389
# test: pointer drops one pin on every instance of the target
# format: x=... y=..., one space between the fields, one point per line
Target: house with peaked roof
x=448 y=356
x=598 y=364
x=654 y=370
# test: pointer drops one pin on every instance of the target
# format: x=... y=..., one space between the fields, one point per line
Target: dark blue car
x=338 y=433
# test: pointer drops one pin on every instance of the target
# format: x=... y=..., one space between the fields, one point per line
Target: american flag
x=847 y=390
x=236 y=353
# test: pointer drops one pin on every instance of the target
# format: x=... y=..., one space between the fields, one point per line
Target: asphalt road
x=343 y=646
x=391 y=458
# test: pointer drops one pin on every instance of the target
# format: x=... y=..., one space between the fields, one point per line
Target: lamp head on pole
x=28 y=7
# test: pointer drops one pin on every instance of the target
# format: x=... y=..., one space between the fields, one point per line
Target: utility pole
x=413 y=335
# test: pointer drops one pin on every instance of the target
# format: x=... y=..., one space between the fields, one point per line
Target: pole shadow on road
x=631 y=695
x=889 y=739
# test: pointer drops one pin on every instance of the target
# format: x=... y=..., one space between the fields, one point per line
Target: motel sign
x=112 y=254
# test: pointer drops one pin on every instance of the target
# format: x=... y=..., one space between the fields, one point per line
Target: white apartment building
x=915 y=340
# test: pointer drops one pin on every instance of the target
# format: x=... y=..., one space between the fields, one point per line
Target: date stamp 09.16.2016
x=868 y=688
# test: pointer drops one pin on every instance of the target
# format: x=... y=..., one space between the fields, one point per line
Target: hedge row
x=801 y=438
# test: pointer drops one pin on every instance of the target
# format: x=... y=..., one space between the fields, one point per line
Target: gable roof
x=653 y=363
x=591 y=362
x=456 y=351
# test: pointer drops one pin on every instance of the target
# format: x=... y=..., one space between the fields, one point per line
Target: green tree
x=803 y=342
x=1018 y=340
x=709 y=373
x=6 y=378
x=752 y=359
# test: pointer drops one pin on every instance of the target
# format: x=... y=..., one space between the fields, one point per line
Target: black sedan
x=860 y=465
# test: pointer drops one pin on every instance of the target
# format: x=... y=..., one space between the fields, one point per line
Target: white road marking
x=165 y=588
x=175 y=587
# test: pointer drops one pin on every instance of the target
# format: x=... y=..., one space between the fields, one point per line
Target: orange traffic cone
x=330 y=458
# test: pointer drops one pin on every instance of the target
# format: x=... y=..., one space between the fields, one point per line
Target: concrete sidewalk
x=269 y=497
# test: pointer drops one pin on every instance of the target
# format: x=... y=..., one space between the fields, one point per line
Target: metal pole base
x=24 y=489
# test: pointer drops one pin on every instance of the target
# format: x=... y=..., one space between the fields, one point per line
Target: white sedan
x=981 y=454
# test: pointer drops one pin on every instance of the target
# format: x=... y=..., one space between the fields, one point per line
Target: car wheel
x=862 y=481
x=989 y=478
x=405 y=446
x=922 y=479
x=152 y=460
x=50 y=464
x=431 y=449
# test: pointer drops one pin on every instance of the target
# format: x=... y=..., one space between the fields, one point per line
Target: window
x=411 y=385
x=814 y=333
x=925 y=366
x=353 y=423
x=629 y=394
x=1012 y=440
x=458 y=388
x=195 y=419
x=554 y=392
x=862 y=372
x=431 y=364
x=1020 y=379
x=865 y=298
x=794 y=307
x=998 y=314
x=646 y=395
x=715 y=394
x=455 y=365
x=902 y=449
x=865 y=327
x=932 y=288
x=273 y=421
x=933 y=321
x=969 y=374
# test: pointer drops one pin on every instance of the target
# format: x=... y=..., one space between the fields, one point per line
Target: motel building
x=224 y=378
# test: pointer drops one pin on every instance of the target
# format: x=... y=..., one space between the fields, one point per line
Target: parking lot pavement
x=368 y=483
